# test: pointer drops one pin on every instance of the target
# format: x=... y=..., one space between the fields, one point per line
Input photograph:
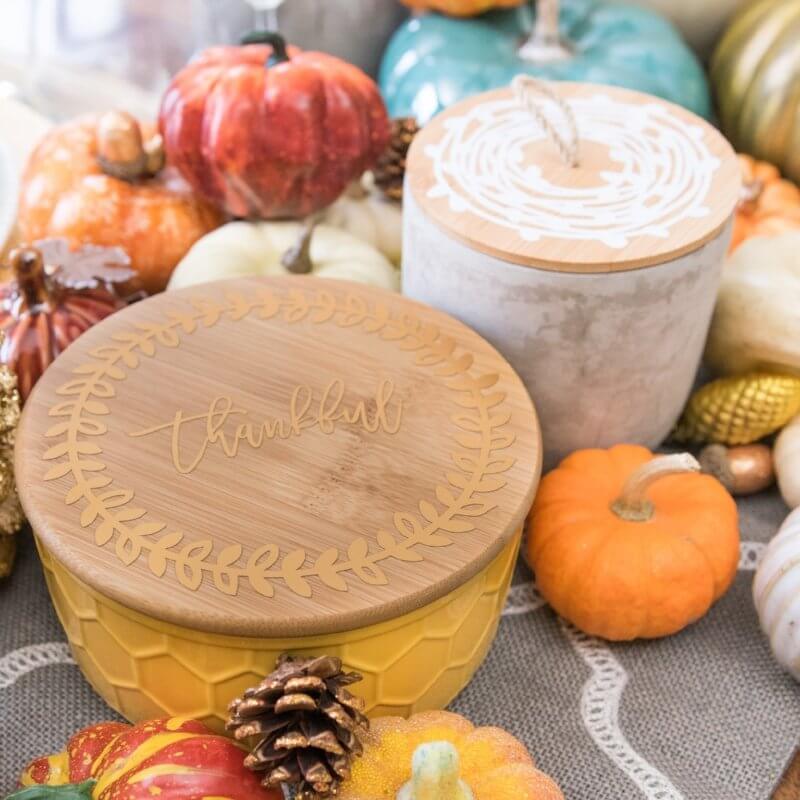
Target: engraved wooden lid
x=277 y=456
x=653 y=181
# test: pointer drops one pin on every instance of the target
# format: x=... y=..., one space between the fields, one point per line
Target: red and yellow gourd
x=173 y=759
x=100 y=179
x=626 y=545
x=268 y=131
x=437 y=755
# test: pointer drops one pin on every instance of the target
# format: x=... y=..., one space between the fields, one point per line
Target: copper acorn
x=742 y=470
x=305 y=725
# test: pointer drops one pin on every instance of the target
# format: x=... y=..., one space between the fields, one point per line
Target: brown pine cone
x=306 y=725
x=391 y=167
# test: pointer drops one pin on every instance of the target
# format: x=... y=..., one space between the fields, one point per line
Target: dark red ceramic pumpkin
x=262 y=130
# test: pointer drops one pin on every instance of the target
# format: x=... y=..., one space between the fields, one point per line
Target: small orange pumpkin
x=99 y=179
x=769 y=204
x=626 y=545
x=461 y=8
x=437 y=755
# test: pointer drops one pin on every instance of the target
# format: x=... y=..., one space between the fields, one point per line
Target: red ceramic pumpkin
x=171 y=759
x=262 y=130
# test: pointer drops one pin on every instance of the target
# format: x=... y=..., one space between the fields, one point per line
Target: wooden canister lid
x=652 y=181
x=277 y=456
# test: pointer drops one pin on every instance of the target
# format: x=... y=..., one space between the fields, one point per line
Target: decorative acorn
x=306 y=725
x=742 y=470
x=739 y=409
x=55 y=295
x=390 y=169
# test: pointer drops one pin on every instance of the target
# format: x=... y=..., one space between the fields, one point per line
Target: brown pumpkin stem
x=297 y=259
x=545 y=44
x=632 y=504
x=27 y=264
x=121 y=151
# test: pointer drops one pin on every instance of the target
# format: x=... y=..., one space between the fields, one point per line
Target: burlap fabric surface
x=705 y=715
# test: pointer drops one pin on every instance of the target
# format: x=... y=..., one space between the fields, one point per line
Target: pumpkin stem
x=434 y=775
x=27 y=264
x=121 y=151
x=279 y=55
x=750 y=192
x=297 y=259
x=67 y=791
x=632 y=504
x=545 y=44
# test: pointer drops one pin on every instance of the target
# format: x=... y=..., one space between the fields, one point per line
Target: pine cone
x=306 y=724
x=391 y=167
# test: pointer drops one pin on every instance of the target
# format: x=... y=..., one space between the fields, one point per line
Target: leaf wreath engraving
x=478 y=467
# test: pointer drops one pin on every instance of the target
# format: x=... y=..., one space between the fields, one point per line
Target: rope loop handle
x=528 y=91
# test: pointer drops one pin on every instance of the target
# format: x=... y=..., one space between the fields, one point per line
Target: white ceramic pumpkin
x=700 y=23
x=365 y=213
x=259 y=248
x=786 y=458
x=756 y=324
x=776 y=592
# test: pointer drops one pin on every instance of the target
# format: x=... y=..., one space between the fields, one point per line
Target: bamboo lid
x=574 y=177
x=277 y=456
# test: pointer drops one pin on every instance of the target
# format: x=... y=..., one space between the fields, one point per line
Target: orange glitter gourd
x=489 y=762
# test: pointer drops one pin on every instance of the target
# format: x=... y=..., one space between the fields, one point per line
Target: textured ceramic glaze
x=607 y=358
x=434 y=61
x=143 y=667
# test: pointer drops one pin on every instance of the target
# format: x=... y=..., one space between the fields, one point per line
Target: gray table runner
x=704 y=715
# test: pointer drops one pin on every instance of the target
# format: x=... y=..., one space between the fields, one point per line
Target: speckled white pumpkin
x=776 y=592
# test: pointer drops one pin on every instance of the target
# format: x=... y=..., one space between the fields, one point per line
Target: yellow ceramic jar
x=227 y=473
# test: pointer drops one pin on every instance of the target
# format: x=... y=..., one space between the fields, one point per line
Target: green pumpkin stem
x=280 y=55
x=545 y=44
x=66 y=791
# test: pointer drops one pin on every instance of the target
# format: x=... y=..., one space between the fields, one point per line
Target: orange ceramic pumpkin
x=461 y=8
x=98 y=180
x=769 y=205
x=626 y=545
x=448 y=759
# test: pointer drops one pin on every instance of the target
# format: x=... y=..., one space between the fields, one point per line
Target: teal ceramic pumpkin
x=433 y=61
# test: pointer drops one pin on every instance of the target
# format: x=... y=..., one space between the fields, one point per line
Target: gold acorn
x=740 y=409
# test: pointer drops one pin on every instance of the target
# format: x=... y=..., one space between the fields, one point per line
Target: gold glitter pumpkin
x=739 y=409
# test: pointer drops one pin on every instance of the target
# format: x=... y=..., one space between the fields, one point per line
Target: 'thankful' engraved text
x=381 y=413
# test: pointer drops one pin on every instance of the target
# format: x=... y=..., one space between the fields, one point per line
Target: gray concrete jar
x=609 y=355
